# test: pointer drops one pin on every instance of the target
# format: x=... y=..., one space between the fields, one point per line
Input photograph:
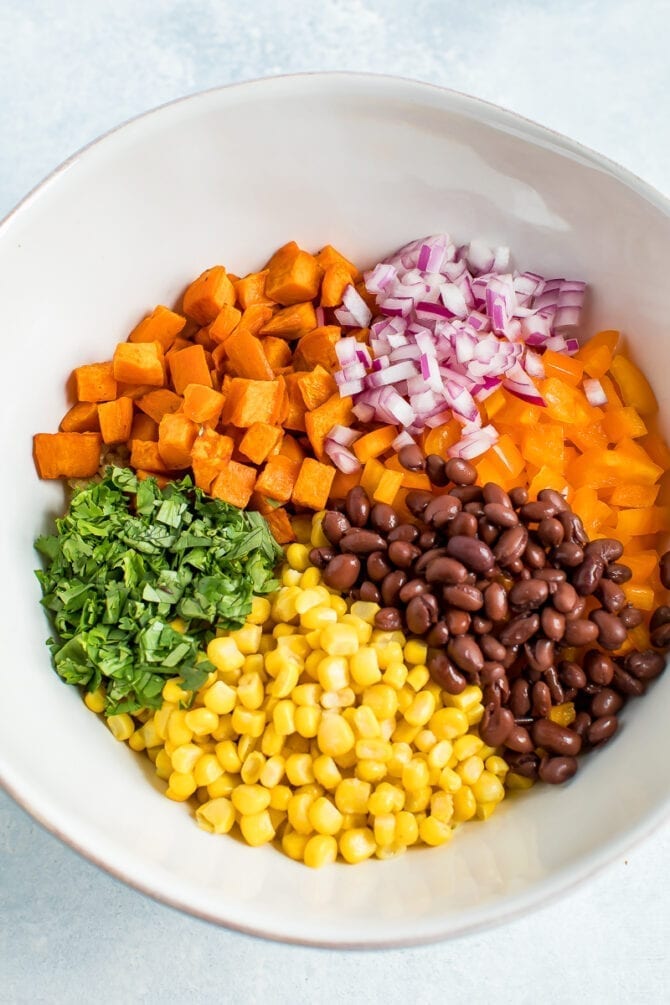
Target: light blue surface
x=597 y=71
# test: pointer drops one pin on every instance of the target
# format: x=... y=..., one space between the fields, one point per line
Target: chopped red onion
x=343 y=459
x=595 y=392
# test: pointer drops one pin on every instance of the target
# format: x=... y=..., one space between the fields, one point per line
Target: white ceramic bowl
x=365 y=163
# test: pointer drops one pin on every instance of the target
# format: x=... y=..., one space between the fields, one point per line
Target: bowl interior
x=364 y=163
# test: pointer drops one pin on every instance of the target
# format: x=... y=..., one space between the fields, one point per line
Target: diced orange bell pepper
x=375 y=443
x=343 y=483
x=509 y=456
x=591 y=437
x=387 y=487
x=543 y=443
x=658 y=450
x=593 y=512
x=547 y=478
x=640 y=596
x=637 y=522
x=566 y=368
x=634 y=496
x=371 y=476
x=438 y=440
x=565 y=403
x=620 y=423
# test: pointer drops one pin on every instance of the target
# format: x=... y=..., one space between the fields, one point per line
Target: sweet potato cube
x=189 y=366
x=210 y=454
x=251 y=290
x=329 y=256
x=143 y=428
x=335 y=281
x=81 y=418
x=207 y=294
x=249 y=401
x=343 y=482
x=277 y=352
x=95 y=382
x=159 y=402
x=234 y=484
x=280 y=525
x=313 y=484
x=202 y=404
x=317 y=348
x=334 y=412
x=277 y=478
x=67 y=455
x=291 y=448
x=139 y=363
x=293 y=276
x=291 y=322
x=316 y=386
x=225 y=323
x=259 y=441
x=246 y=356
x=295 y=418
x=116 y=420
x=162 y=325
x=176 y=436
x=145 y=454
x=255 y=317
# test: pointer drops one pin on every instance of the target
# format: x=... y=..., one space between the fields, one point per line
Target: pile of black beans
x=510 y=595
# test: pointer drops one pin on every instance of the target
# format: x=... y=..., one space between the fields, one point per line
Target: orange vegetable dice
x=371 y=476
x=293 y=276
x=564 y=403
x=176 y=436
x=318 y=423
x=259 y=441
x=634 y=496
x=658 y=450
x=342 y=483
x=316 y=387
x=139 y=363
x=202 y=404
x=116 y=420
x=162 y=325
x=95 y=382
x=375 y=443
x=387 y=486
x=331 y=256
x=157 y=403
x=81 y=418
x=547 y=478
x=207 y=294
x=143 y=428
x=620 y=423
x=144 y=454
x=251 y=290
x=313 y=484
x=566 y=368
x=318 y=348
x=510 y=458
x=335 y=280
x=438 y=440
x=291 y=322
x=210 y=454
x=189 y=366
x=225 y=323
x=67 y=455
x=234 y=484
x=640 y=596
x=277 y=352
x=634 y=387
x=280 y=525
x=278 y=478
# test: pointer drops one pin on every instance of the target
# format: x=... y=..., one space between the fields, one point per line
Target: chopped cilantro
x=127 y=559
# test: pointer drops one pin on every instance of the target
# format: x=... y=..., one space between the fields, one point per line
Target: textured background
x=596 y=70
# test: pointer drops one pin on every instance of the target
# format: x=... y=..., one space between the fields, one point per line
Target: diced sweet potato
x=259 y=441
x=207 y=294
x=210 y=454
x=234 y=484
x=293 y=276
x=313 y=484
x=176 y=436
x=162 y=325
x=139 y=363
x=116 y=420
x=277 y=478
x=95 y=382
x=67 y=455
x=189 y=366
x=202 y=404
x=159 y=402
x=81 y=418
x=291 y=322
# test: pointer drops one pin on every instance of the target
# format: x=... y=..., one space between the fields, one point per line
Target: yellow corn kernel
x=201 y=721
x=310 y=578
x=418 y=800
x=245 y=745
x=252 y=767
x=136 y=741
x=335 y=736
x=307 y=719
x=283 y=631
x=224 y=654
x=333 y=673
x=283 y=608
x=180 y=786
x=223 y=786
x=344 y=698
x=465 y=804
x=260 y=611
x=280 y=797
x=302 y=527
x=401 y=754
x=207 y=769
x=271 y=773
x=307 y=694
x=293 y=844
x=474 y=714
x=415 y=652
x=439 y=754
x=290 y=577
x=250 y=691
x=386 y=798
x=216 y=816
x=95 y=700
x=339 y=640
x=338 y=604
x=185 y=757
x=448 y=723
x=422 y=708
x=406 y=828
x=352 y=795
x=364 y=666
x=298 y=812
x=224 y=731
x=227 y=756
x=563 y=714
x=248 y=722
x=469 y=696
x=297 y=556
x=162 y=717
x=320 y=850
x=418 y=677
x=370 y=771
x=373 y=748
x=434 y=832
x=317 y=538
x=220 y=698
x=326 y=771
x=442 y=806
x=357 y=844
x=364 y=610
x=310 y=600
x=405 y=732
x=248 y=638
x=383 y=828
x=488 y=788
x=449 y=780
x=362 y=628
x=415 y=774
x=272 y=742
x=382 y=699
x=173 y=692
x=283 y=717
x=466 y=746
x=365 y=722
x=388 y=653
x=257 y=828
x=497 y=766
x=120 y=726
x=395 y=675
x=250 y=799
x=514 y=781
x=299 y=769
x=324 y=816
x=405 y=698
x=470 y=769
x=285 y=681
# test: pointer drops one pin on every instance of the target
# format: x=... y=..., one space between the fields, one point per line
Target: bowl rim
x=565 y=880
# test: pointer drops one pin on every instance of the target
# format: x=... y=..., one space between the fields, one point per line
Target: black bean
x=518 y=739
x=466 y=493
x=404 y=532
x=383 y=517
x=488 y=532
x=602 y=729
x=411 y=457
x=388 y=619
x=553 y=624
x=411 y=589
x=626 y=683
x=518 y=497
x=362 y=542
x=581 y=724
x=419 y=615
x=660 y=637
x=445 y=570
x=473 y=553
x=462 y=523
x=580 y=632
x=606 y=548
x=528 y=594
x=458 y=622
x=572 y=675
x=466 y=598
x=573 y=527
x=664 y=569
x=525 y=765
x=556 y=770
x=630 y=617
x=554 y=497
x=494 y=495
x=427 y=539
x=378 y=566
x=441 y=510
x=644 y=665
x=342 y=572
x=334 y=526
x=495 y=724
x=587 y=576
x=320 y=557
x=611 y=633
x=481 y=626
x=618 y=573
x=554 y=685
x=535 y=512
x=403 y=554
x=391 y=587
x=369 y=593
x=541 y=699
x=577 y=610
x=606 y=702
x=495 y=602
x=534 y=555
x=520 y=629
x=465 y=653
x=417 y=501
x=661 y=616
x=492 y=649
x=461 y=472
x=554 y=577
x=568 y=554
x=357 y=506
x=540 y=654
x=519 y=698
x=554 y=738
x=550 y=532
x=435 y=469
x=611 y=596
x=438 y=636
x=427 y=557
x=444 y=673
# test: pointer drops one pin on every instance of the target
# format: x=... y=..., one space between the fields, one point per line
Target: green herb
x=127 y=559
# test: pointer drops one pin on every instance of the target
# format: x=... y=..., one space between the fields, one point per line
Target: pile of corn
x=321 y=733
